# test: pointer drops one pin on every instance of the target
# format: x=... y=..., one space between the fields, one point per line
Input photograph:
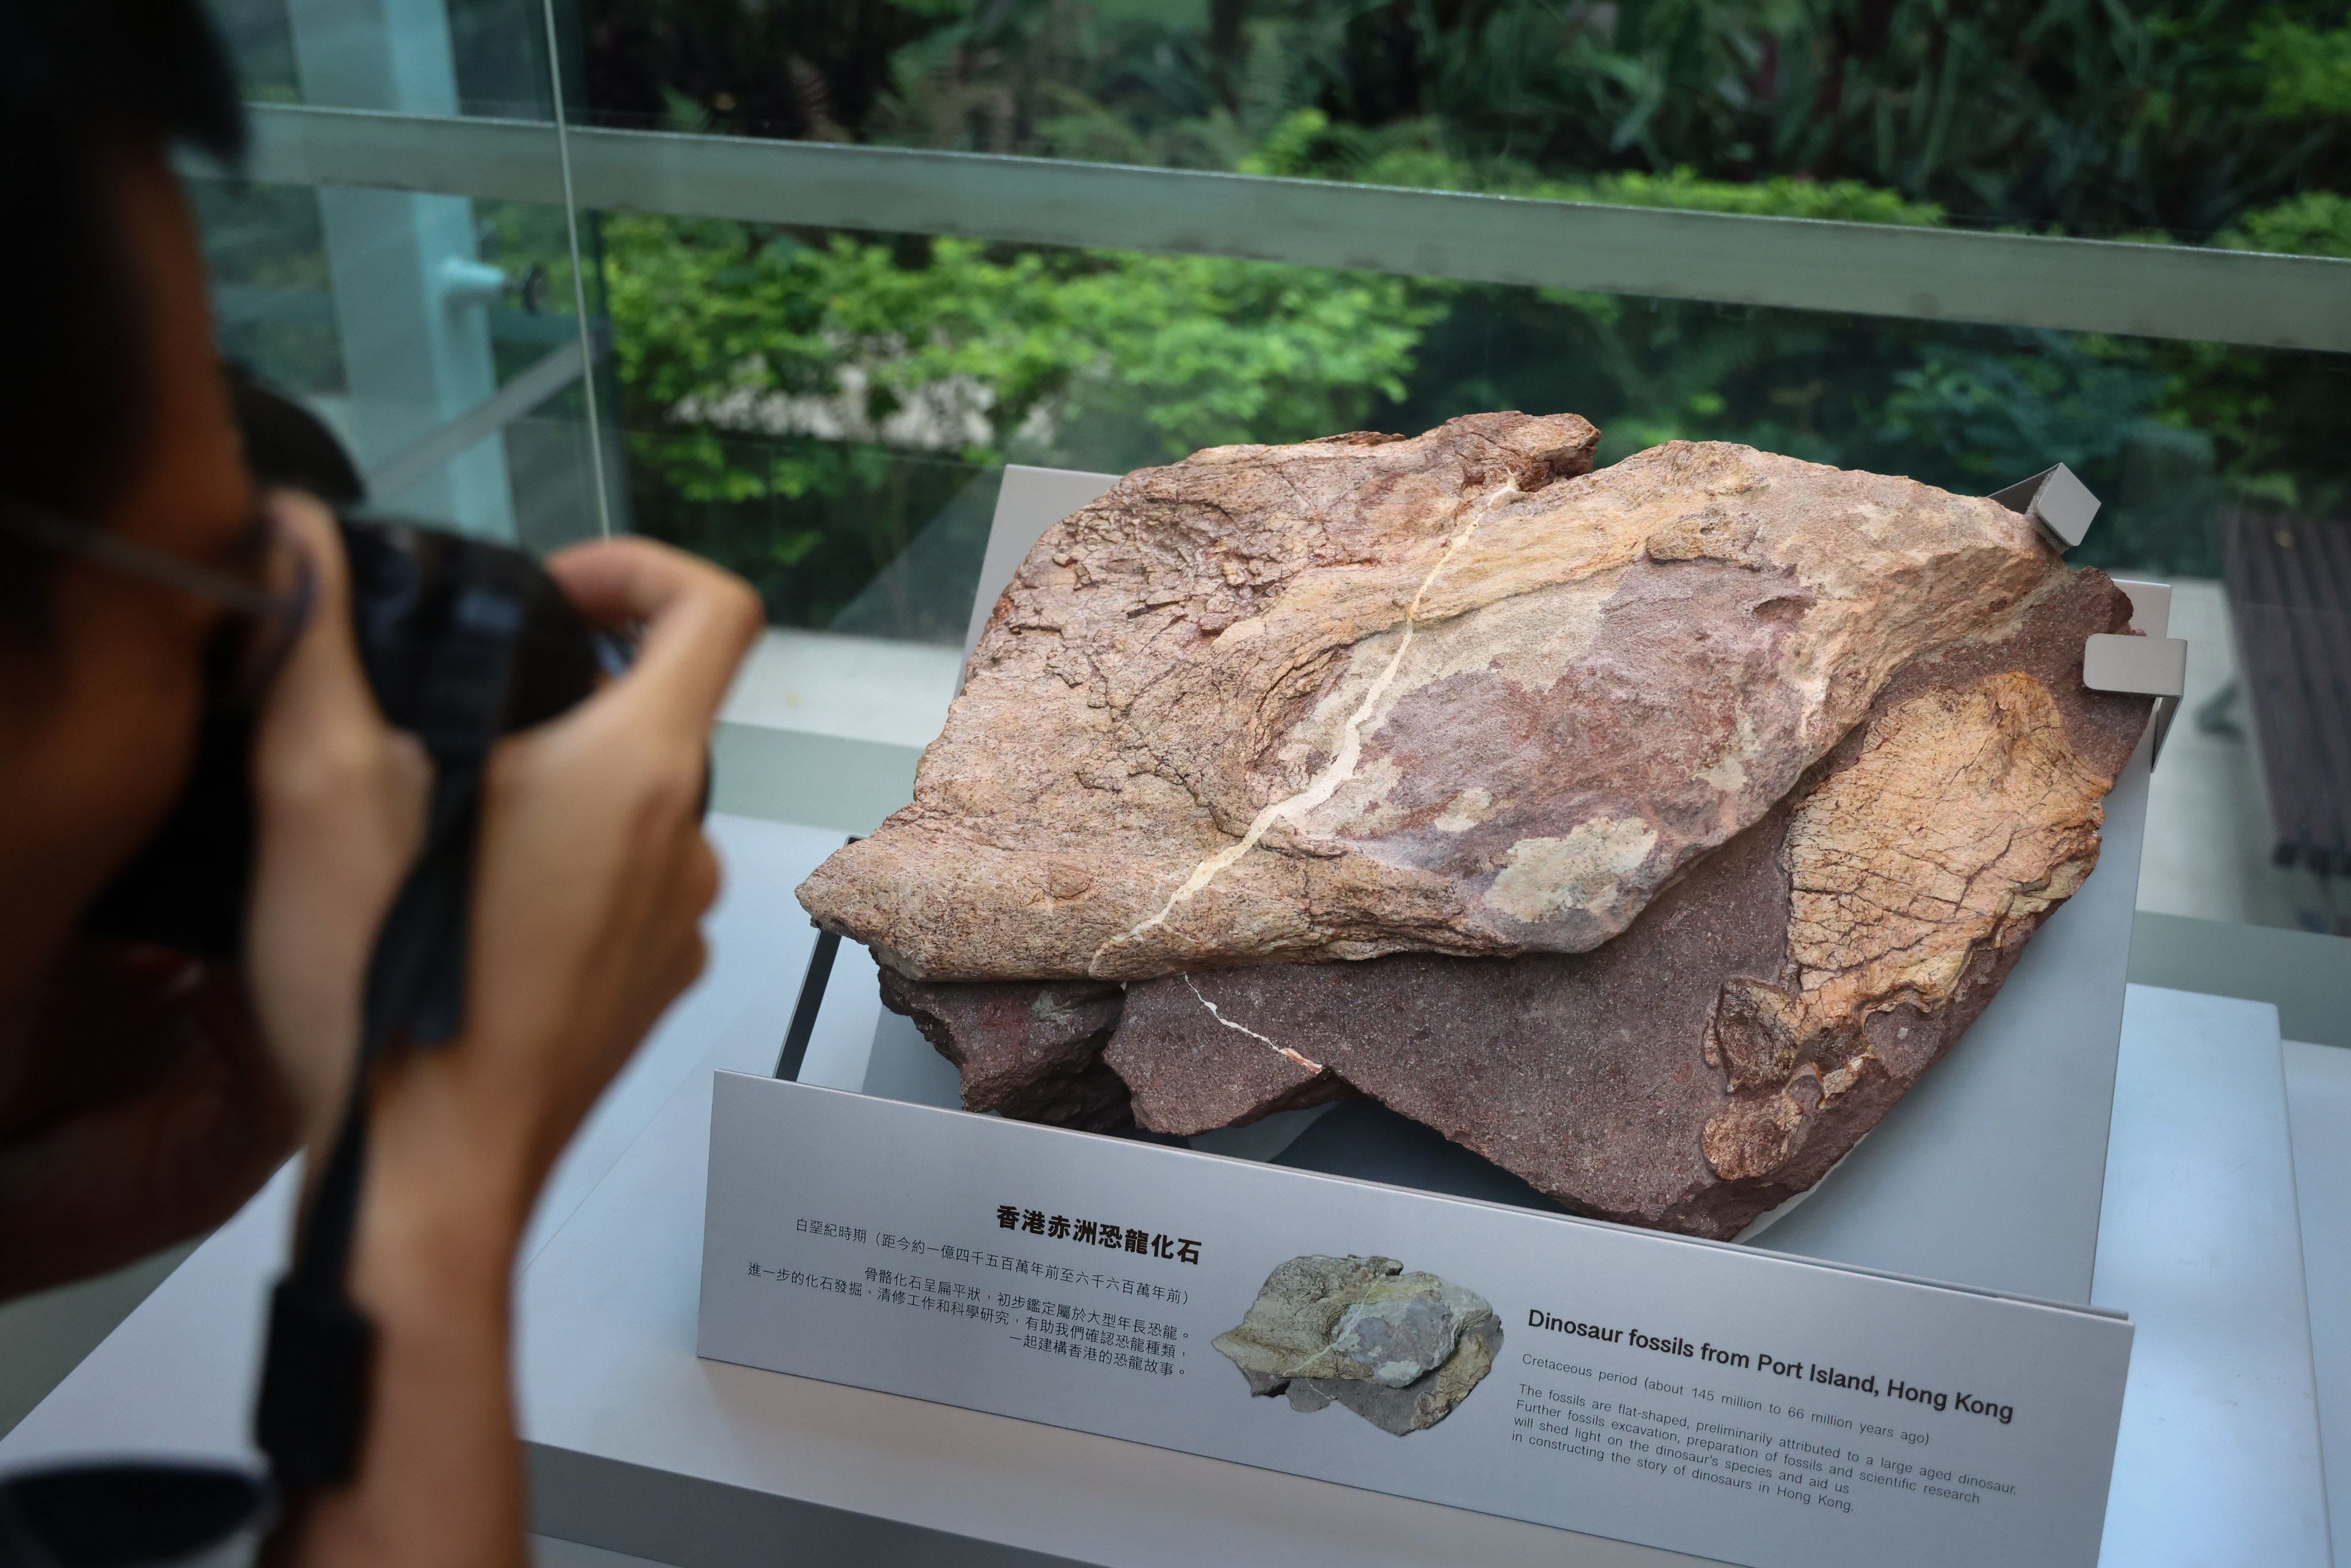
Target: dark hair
x=79 y=77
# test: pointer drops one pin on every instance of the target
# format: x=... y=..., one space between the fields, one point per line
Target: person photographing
x=146 y=1093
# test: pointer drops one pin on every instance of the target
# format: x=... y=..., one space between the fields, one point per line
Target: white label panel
x=1700 y=1397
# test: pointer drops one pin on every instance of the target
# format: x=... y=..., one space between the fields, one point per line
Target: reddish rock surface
x=1670 y=819
x=1031 y=1052
x=1453 y=693
x=1765 y=1009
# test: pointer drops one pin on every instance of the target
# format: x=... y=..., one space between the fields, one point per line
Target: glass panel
x=828 y=412
x=823 y=411
x=2061 y=116
x=416 y=56
x=436 y=333
x=775 y=370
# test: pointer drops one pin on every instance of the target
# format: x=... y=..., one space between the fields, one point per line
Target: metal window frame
x=1798 y=264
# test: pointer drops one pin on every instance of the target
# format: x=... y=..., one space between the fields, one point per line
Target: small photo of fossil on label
x=1400 y=1349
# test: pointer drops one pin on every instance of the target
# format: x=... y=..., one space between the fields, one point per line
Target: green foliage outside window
x=803 y=404
x=767 y=368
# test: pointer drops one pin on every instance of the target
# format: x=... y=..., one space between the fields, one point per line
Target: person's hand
x=590 y=878
x=339 y=799
x=590 y=881
x=168 y=1089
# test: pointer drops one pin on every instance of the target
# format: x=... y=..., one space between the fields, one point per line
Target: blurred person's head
x=113 y=415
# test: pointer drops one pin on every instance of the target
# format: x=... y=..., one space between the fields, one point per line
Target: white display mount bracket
x=2152 y=663
x=2055 y=499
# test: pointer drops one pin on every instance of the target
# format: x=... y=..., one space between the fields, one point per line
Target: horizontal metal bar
x=1868 y=269
x=287 y=305
x=242 y=302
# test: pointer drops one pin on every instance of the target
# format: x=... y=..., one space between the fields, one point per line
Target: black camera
x=463 y=641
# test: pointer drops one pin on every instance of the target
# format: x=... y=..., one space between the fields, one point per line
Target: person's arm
x=592 y=876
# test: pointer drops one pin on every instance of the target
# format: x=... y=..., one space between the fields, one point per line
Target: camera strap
x=316 y=1372
x=462 y=643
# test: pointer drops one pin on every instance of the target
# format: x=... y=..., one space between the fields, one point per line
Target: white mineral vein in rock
x=1342 y=766
x=1311 y=1066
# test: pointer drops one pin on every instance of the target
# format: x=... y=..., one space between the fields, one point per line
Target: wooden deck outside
x=2290 y=594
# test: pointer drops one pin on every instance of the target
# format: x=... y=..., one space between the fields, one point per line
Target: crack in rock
x=1337 y=772
x=1311 y=1066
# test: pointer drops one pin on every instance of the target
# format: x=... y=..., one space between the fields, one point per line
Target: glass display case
x=824 y=306
x=793 y=285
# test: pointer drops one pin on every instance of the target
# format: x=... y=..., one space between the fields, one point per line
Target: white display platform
x=2202 y=1244
x=1697 y=1395
x=2318 y=1101
x=639 y=1447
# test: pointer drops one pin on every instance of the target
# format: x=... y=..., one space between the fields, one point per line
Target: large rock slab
x=1369 y=696
x=1763 y=1013
x=1401 y=1350
x=1027 y=1051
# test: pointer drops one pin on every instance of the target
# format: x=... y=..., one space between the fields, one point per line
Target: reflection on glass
x=433 y=331
x=420 y=56
x=823 y=411
x=2056 y=115
x=829 y=413
x=441 y=354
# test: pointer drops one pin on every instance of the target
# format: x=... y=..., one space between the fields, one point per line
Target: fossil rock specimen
x=1365 y=695
x=1762 y=1013
x=1676 y=817
x=1031 y=1052
x=1400 y=1349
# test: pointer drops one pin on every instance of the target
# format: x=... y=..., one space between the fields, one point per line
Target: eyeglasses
x=263 y=622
